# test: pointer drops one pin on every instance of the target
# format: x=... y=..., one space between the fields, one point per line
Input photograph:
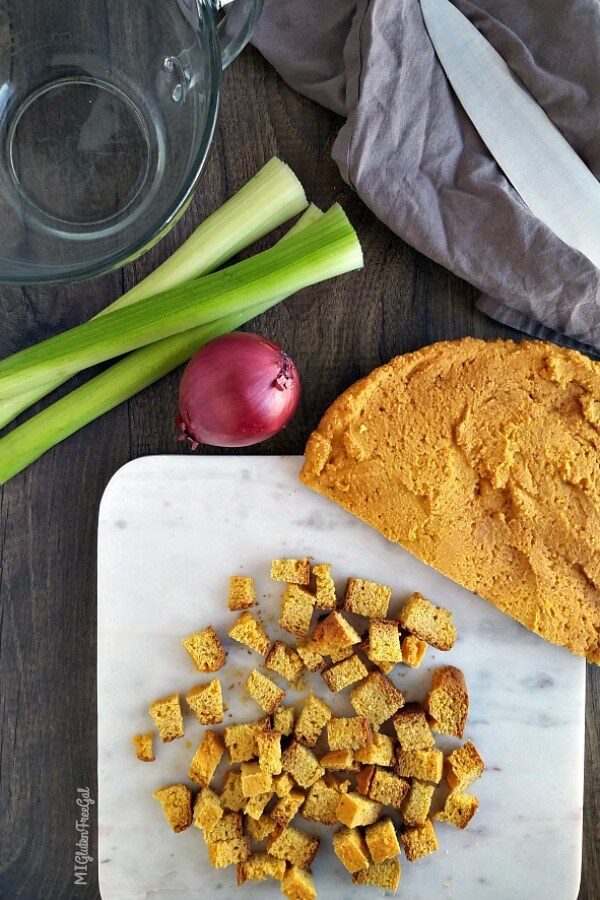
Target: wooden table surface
x=336 y=333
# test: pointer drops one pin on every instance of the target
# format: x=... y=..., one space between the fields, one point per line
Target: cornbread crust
x=482 y=459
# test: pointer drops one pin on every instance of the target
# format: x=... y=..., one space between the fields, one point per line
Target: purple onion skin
x=238 y=390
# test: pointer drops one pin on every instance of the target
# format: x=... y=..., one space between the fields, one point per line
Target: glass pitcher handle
x=236 y=26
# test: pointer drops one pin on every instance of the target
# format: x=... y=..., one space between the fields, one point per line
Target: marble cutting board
x=171 y=531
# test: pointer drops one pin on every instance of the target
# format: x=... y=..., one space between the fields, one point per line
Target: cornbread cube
x=255 y=781
x=426 y=765
x=283 y=720
x=283 y=784
x=350 y=848
x=207 y=810
x=297 y=605
x=259 y=829
x=344 y=673
x=447 y=702
x=339 y=760
x=349 y=733
x=269 y=751
x=338 y=655
x=418 y=802
x=228 y=853
x=462 y=767
x=287 y=806
x=143 y=746
x=413 y=651
x=264 y=691
x=206 y=700
x=379 y=753
x=383 y=786
x=293 y=571
x=411 y=726
x=419 y=841
x=325 y=591
x=166 y=714
x=367 y=598
x=205 y=650
x=255 y=806
x=429 y=623
x=296 y=846
x=242 y=593
x=376 y=698
x=334 y=633
x=302 y=764
x=206 y=759
x=312 y=720
x=354 y=810
x=384 y=641
x=250 y=632
x=232 y=796
x=228 y=828
x=242 y=741
x=176 y=802
x=284 y=660
x=458 y=810
x=310 y=656
x=384 y=875
x=322 y=799
x=297 y=884
x=382 y=841
x=259 y=867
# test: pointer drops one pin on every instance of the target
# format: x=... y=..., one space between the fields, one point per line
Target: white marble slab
x=172 y=529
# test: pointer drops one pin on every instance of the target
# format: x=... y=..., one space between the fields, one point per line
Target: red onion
x=239 y=389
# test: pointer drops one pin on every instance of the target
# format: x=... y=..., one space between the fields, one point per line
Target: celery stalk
x=326 y=248
x=115 y=385
x=273 y=196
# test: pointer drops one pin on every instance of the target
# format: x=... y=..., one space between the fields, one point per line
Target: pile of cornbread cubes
x=373 y=780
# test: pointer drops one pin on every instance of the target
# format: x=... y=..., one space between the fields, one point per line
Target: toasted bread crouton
x=419 y=841
x=292 y=571
x=287 y=806
x=384 y=641
x=426 y=765
x=232 y=796
x=166 y=714
x=228 y=853
x=143 y=744
x=349 y=733
x=297 y=884
x=458 y=810
x=241 y=741
x=325 y=590
x=255 y=781
x=339 y=760
x=310 y=656
x=251 y=633
x=429 y=623
x=354 y=810
x=206 y=759
x=413 y=651
x=322 y=799
x=447 y=702
x=229 y=827
x=418 y=802
x=269 y=751
x=384 y=875
x=296 y=846
x=259 y=867
x=412 y=729
x=462 y=767
x=379 y=753
x=284 y=660
x=259 y=829
x=242 y=593
x=337 y=656
x=381 y=785
x=255 y=806
x=302 y=764
x=297 y=606
x=206 y=700
x=264 y=691
x=313 y=718
x=283 y=720
x=367 y=598
x=334 y=633
x=283 y=784
x=351 y=849
x=207 y=810
x=382 y=840
x=376 y=698
x=345 y=673
x=205 y=650
x=176 y=802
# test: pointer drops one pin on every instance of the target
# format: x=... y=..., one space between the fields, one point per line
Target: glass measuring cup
x=107 y=111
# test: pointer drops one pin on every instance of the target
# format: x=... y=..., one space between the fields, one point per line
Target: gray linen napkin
x=413 y=156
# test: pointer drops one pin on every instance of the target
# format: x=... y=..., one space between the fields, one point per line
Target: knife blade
x=538 y=161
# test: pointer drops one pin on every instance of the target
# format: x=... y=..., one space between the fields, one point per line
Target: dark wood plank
x=336 y=333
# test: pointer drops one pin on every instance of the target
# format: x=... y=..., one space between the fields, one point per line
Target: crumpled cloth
x=413 y=156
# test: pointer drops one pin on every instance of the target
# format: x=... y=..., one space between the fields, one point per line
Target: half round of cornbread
x=482 y=459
